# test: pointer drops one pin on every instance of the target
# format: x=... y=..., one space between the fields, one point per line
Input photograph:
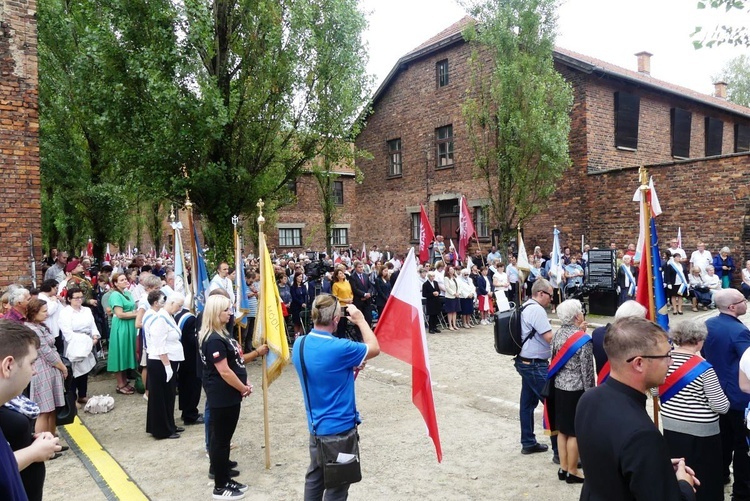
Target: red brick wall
x=308 y=210
x=585 y=203
x=20 y=203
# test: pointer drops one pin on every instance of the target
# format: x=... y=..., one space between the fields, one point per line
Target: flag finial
x=171 y=213
x=643 y=175
x=235 y=220
x=261 y=219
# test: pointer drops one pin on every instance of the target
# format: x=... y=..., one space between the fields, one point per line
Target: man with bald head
x=624 y=454
x=727 y=340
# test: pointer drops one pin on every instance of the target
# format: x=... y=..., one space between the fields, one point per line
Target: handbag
x=67 y=413
x=338 y=455
x=549 y=387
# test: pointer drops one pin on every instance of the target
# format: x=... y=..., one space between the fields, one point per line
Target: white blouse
x=163 y=337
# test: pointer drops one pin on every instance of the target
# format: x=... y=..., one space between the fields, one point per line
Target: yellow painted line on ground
x=100 y=463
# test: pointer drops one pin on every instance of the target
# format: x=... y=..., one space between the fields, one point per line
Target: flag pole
x=522 y=279
x=646 y=259
x=266 y=429
x=237 y=278
x=193 y=247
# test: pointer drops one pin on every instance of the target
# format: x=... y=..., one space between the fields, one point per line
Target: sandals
x=125 y=390
x=695 y=309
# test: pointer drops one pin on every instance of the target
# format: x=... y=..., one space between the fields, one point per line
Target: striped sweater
x=695 y=409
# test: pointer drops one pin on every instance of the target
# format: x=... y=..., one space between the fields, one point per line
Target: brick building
x=20 y=202
x=299 y=226
x=694 y=145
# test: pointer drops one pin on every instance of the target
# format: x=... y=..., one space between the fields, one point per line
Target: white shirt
x=53 y=314
x=678 y=251
x=701 y=260
x=73 y=322
x=163 y=336
x=223 y=283
x=745 y=363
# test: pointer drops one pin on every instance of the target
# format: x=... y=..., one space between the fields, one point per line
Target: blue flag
x=660 y=297
x=201 y=271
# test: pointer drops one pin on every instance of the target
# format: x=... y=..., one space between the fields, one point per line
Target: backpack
x=508 y=332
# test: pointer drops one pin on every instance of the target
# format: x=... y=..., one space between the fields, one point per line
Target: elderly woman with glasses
x=690 y=406
x=79 y=330
x=575 y=377
x=164 y=356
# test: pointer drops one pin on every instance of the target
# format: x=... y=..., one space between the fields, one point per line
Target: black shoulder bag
x=335 y=473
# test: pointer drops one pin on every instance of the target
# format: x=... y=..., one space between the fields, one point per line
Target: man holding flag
x=326 y=366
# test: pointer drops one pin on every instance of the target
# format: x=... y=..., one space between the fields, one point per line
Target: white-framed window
x=337 y=192
x=444 y=140
x=394 y=157
x=480 y=221
x=416 y=221
x=290 y=237
x=340 y=236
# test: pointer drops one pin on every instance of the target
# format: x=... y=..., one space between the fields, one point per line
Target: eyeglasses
x=548 y=294
x=652 y=357
x=738 y=302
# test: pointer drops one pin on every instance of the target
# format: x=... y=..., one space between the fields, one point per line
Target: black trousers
x=734 y=451
x=222 y=424
x=432 y=321
x=189 y=385
x=80 y=386
x=161 y=396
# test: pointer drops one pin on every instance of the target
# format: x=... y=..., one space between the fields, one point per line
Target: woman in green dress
x=122 y=335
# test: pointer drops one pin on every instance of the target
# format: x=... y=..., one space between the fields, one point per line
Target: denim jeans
x=533 y=376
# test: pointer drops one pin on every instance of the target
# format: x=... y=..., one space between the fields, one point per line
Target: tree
x=325 y=170
x=281 y=79
x=736 y=73
x=242 y=93
x=725 y=33
x=516 y=108
x=109 y=107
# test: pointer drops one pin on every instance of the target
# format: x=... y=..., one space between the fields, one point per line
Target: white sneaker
x=237 y=486
x=228 y=493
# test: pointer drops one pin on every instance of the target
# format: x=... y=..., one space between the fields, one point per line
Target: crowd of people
x=131 y=311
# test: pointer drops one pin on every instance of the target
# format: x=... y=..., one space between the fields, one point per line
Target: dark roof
x=453 y=35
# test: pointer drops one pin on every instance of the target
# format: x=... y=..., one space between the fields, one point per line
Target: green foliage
x=725 y=33
x=242 y=93
x=736 y=73
x=517 y=108
x=282 y=80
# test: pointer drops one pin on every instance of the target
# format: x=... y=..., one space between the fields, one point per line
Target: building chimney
x=720 y=90
x=644 y=62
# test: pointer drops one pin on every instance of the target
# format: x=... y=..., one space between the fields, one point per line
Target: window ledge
x=676 y=157
x=625 y=148
x=394 y=176
x=445 y=167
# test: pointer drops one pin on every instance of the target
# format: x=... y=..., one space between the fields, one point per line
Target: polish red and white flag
x=401 y=334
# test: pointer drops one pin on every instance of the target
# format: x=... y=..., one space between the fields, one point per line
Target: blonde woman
x=451 y=305
x=225 y=382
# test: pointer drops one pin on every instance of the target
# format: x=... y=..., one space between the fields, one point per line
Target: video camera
x=316 y=269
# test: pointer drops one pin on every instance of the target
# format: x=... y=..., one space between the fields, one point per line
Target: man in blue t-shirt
x=18 y=345
x=328 y=391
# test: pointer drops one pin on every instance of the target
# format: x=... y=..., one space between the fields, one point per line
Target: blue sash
x=678 y=269
x=631 y=278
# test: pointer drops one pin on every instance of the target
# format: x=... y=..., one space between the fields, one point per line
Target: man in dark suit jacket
x=363 y=291
x=433 y=302
x=626 y=457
